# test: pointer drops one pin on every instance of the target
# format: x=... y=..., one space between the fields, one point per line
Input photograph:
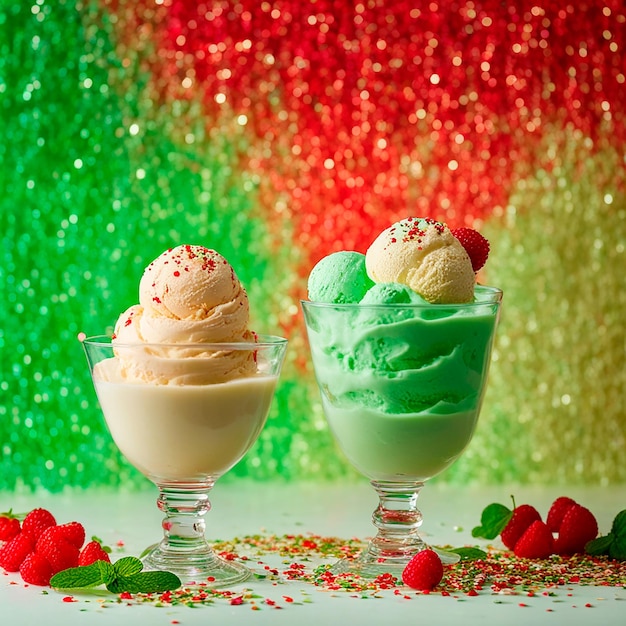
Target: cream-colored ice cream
x=183 y=432
x=185 y=386
x=194 y=284
x=424 y=255
x=188 y=295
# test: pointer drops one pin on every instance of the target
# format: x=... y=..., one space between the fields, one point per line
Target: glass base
x=397 y=541
x=200 y=567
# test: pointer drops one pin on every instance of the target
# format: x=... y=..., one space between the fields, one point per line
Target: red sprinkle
x=497 y=572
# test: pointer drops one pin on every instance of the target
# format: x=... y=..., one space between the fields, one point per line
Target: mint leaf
x=492 y=521
x=617 y=549
x=145 y=582
x=107 y=570
x=619 y=524
x=127 y=566
x=123 y=575
x=600 y=545
x=78 y=577
x=613 y=544
x=469 y=553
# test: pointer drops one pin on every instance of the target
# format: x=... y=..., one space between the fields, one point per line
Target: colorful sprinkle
x=499 y=574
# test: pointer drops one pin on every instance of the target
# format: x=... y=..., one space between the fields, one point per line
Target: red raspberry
x=557 y=512
x=9 y=527
x=36 y=570
x=37 y=521
x=476 y=246
x=73 y=532
x=59 y=552
x=536 y=542
x=578 y=527
x=523 y=516
x=13 y=553
x=424 y=571
x=91 y=553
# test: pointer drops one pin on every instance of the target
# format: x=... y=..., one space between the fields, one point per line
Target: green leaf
x=127 y=566
x=617 y=549
x=123 y=584
x=619 y=524
x=492 y=521
x=600 y=545
x=78 y=577
x=145 y=582
x=107 y=571
x=613 y=544
x=469 y=553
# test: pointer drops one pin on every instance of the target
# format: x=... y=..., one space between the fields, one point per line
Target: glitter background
x=278 y=132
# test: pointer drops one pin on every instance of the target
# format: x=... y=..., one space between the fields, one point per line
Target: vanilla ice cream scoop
x=189 y=295
x=192 y=294
x=424 y=255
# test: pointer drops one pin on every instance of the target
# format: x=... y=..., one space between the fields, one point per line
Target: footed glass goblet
x=401 y=387
x=183 y=431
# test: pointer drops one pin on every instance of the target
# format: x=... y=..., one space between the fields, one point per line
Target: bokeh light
x=277 y=132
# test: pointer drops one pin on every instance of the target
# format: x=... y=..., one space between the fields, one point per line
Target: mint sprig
x=613 y=544
x=125 y=575
x=492 y=521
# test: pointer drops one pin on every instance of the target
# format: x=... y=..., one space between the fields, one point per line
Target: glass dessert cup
x=401 y=388
x=183 y=437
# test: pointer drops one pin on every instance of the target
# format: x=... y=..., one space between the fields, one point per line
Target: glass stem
x=183 y=524
x=397 y=519
x=184 y=549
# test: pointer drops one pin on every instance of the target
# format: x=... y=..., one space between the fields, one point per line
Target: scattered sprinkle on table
x=307 y=558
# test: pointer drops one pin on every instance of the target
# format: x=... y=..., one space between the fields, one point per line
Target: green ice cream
x=391 y=293
x=402 y=384
x=402 y=367
x=339 y=278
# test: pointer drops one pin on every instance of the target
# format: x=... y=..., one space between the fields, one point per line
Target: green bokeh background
x=86 y=206
x=97 y=180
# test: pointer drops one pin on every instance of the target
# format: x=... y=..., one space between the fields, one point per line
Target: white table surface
x=340 y=510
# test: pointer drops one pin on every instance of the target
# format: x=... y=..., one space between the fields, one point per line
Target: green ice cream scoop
x=339 y=278
x=391 y=293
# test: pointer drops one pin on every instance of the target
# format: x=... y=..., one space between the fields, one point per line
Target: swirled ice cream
x=188 y=295
x=186 y=386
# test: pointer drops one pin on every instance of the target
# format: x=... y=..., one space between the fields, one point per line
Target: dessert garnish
x=476 y=246
x=572 y=527
x=123 y=576
x=424 y=571
x=49 y=554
